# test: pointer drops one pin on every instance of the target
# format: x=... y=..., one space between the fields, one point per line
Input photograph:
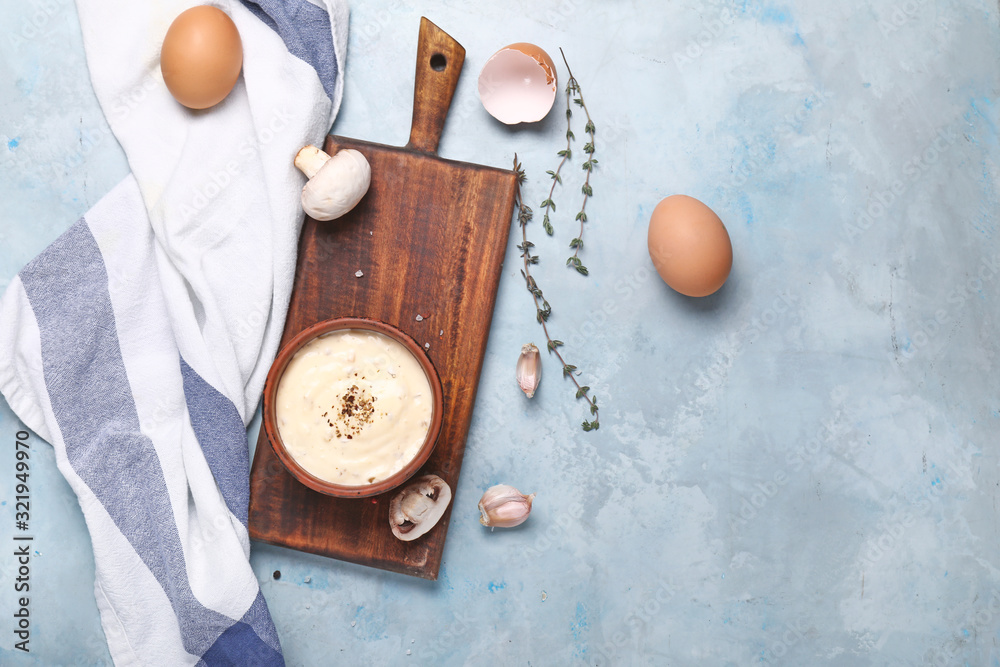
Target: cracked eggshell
x=518 y=84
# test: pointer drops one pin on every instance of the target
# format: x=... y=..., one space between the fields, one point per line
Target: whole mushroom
x=418 y=507
x=336 y=184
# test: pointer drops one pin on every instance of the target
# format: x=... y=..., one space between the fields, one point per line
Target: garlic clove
x=503 y=506
x=529 y=369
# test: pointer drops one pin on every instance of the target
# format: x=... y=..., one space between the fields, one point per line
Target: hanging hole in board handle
x=438 y=64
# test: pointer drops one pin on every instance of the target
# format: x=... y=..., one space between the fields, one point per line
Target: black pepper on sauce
x=354 y=413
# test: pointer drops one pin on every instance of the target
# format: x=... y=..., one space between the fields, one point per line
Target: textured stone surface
x=799 y=470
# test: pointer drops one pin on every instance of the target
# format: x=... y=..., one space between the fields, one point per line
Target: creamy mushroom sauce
x=353 y=407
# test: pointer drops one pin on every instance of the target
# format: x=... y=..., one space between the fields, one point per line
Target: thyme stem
x=566 y=154
x=542 y=308
x=573 y=86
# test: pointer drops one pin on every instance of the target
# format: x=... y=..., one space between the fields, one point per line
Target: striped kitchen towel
x=138 y=343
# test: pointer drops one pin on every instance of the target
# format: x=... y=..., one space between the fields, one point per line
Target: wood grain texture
x=439 y=62
x=430 y=238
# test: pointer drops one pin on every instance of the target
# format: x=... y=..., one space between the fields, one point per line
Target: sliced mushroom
x=418 y=507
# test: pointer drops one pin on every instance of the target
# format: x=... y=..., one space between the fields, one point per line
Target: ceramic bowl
x=270 y=423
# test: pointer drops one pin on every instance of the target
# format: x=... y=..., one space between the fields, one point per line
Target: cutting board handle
x=439 y=62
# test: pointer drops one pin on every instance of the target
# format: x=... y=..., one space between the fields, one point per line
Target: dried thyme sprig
x=565 y=154
x=542 y=308
x=576 y=244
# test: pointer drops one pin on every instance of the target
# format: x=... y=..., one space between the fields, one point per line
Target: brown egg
x=201 y=57
x=689 y=246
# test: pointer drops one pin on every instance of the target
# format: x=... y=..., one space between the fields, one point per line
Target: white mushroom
x=418 y=507
x=336 y=184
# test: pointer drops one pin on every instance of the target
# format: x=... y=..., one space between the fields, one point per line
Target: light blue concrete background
x=801 y=470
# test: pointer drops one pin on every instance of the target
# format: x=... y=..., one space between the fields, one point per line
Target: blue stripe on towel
x=305 y=29
x=239 y=644
x=85 y=376
x=223 y=438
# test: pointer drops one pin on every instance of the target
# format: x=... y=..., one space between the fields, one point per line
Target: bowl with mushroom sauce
x=352 y=407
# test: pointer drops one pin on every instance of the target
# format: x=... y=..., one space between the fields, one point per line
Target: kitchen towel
x=137 y=344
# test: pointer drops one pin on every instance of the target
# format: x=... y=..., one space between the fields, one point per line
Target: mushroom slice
x=418 y=507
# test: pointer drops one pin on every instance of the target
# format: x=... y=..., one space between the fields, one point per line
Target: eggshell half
x=689 y=246
x=518 y=84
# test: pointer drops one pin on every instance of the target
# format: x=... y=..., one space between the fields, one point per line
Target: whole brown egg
x=201 y=57
x=689 y=246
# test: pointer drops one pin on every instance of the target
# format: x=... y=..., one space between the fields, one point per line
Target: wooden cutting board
x=428 y=240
